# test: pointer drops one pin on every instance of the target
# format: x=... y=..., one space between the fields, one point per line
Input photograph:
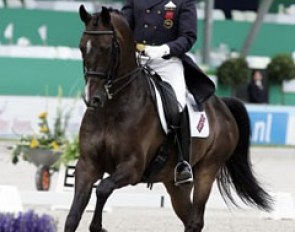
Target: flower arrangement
x=28 y=221
x=47 y=138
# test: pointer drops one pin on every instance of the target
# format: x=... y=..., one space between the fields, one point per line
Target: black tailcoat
x=171 y=22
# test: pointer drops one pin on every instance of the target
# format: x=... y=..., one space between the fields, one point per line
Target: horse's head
x=108 y=52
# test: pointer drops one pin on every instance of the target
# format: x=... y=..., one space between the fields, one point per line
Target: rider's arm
x=187 y=29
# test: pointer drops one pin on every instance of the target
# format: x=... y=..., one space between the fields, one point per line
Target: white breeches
x=171 y=71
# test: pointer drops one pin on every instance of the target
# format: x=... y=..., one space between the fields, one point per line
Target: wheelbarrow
x=43 y=159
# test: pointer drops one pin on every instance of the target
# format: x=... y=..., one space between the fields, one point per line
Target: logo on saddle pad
x=201 y=123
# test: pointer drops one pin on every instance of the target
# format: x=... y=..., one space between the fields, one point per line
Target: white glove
x=157 y=51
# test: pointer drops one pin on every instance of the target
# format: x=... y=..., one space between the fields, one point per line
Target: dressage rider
x=166 y=30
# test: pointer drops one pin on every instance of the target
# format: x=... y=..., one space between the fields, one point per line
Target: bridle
x=112 y=69
x=115 y=56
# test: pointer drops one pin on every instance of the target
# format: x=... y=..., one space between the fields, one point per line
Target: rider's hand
x=157 y=51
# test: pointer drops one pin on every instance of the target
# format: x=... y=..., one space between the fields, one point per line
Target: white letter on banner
x=259 y=131
x=268 y=128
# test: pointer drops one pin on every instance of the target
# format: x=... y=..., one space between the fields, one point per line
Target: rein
x=123 y=77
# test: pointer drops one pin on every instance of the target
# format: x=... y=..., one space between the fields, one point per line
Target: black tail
x=237 y=172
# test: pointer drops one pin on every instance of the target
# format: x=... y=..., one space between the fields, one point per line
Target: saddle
x=165 y=101
x=170 y=108
x=167 y=95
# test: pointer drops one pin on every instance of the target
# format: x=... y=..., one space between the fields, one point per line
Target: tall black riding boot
x=183 y=170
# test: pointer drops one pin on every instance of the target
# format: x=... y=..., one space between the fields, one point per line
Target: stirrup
x=187 y=174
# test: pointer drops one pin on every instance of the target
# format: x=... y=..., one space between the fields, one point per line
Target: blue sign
x=268 y=127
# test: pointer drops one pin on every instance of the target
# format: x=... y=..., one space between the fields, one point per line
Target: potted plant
x=45 y=147
x=233 y=73
x=280 y=69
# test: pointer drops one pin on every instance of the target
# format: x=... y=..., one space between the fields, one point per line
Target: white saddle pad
x=199 y=124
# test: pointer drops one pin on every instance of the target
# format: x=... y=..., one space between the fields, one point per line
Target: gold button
x=140 y=47
x=148 y=11
x=158 y=12
x=144 y=42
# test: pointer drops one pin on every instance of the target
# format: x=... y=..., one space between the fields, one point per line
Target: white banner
x=19 y=115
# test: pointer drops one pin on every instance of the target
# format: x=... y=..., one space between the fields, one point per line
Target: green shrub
x=71 y=152
x=281 y=68
x=233 y=72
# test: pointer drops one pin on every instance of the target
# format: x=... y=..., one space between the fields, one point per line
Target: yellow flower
x=55 y=146
x=34 y=143
x=43 y=115
x=44 y=129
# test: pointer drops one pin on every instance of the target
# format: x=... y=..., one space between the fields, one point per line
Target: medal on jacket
x=169 y=14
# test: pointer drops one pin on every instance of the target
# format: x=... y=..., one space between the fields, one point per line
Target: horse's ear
x=84 y=15
x=105 y=15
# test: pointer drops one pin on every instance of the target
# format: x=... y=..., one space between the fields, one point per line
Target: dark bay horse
x=121 y=133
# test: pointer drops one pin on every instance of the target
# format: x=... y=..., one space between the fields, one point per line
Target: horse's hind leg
x=204 y=176
x=124 y=175
x=181 y=200
x=85 y=176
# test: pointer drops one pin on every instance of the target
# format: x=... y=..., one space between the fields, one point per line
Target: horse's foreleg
x=85 y=177
x=204 y=177
x=124 y=174
x=181 y=200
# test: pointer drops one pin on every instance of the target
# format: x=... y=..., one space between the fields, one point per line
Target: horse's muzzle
x=94 y=98
x=98 y=100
